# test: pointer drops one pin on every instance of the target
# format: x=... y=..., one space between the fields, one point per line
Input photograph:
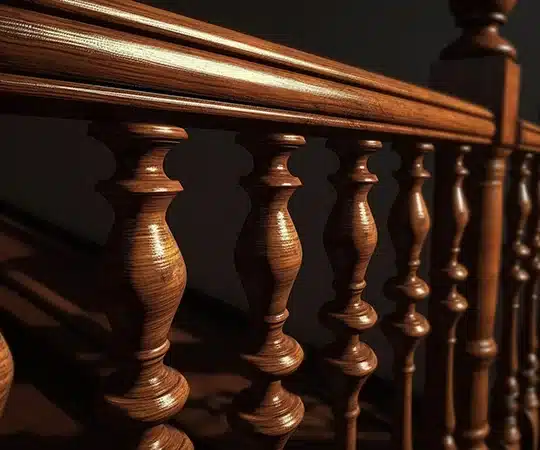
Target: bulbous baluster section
x=268 y=258
x=529 y=422
x=447 y=304
x=506 y=390
x=480 y=22
x=350 y=240
x=408 y=224
x=6 y=373
x=144 y=278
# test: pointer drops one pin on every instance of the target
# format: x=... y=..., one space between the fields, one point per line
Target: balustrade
x=96 y=61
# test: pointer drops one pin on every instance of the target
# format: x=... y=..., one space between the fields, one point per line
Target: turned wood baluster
x=506 y=390
x=408 y=225
x=144 y=278
x=529 y=342
x=268 y=258
x=350 y=239
x=447 y=303
x=6 y=372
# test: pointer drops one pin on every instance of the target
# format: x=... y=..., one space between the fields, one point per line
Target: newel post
x=480 y=66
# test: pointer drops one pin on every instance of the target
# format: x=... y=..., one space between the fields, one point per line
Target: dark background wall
x=50 y=166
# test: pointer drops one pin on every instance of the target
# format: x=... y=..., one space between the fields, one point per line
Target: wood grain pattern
x=529 y=136
x=6 y=372
x=447 y=304
x=408 y=225
x=518 y=207
x=35 y=43
x=529 y=421
x=350 y=240
x=144 y=279
x=480 y=22
x=84 y=101
x=482 y=256
x=268 y=258
x=174 y=27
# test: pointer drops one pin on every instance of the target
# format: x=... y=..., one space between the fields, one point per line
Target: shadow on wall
x=52 y=166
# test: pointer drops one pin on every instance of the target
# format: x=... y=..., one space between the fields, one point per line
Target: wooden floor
x=50 y=313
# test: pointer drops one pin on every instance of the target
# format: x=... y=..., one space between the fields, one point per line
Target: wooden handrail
x=529 y=136
x=180 y=29
x=88 y=101
x=33 y=43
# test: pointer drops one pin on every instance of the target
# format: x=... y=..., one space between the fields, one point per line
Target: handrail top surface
x=182 y=29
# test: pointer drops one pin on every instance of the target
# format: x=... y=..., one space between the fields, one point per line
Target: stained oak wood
x=6 y=372
x=518 y=207
x=350 y=240
x=481 y=67
x=447 y=303
x=268 y=257
x=36 y=43
x=164 y=24
x=528 y=401
x=529 y=136
x=52 y=294
x=143 y=276
x=85 y=101
x=408 y=225
x=482 y=256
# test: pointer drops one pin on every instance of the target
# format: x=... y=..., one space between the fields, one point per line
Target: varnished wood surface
x=7 y=370
x=181 y=29
x=481 y=67
x=506 y=432
x=350 y=240
x=84 y=101
x=482 y=245
x=36 y=43
x=529 y=136
x=268 y=257
x=528 y=363
x=143 y=277
x=56 y=301
x=447 y=303
x=408 y=224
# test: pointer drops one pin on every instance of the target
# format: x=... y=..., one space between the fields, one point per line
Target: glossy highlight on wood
x=505 y=425
x=408 y=225
x=36 y=43
x=6 y=373
x=528 y=401
x=144 y=279
x=350 y=240
x=165 y=24
x=268 y=257
x=447 y=304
